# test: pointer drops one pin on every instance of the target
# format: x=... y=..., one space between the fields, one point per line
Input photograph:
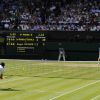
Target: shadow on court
x=8 y=89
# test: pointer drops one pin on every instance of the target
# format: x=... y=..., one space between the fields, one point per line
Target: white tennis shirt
x=1 y=69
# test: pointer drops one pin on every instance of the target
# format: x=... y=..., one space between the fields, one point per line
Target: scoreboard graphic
x=25 y=43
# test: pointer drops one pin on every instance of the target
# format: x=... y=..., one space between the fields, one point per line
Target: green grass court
x=50 y=80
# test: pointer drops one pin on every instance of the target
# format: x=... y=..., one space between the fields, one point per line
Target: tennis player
x=61 y=54
x=2 y=70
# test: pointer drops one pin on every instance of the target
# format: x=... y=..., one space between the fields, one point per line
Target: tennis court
x=50 y=80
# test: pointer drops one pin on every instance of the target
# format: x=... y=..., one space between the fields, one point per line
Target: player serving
x=2 y=70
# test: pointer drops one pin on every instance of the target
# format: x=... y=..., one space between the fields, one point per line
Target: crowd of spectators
x=51 y=15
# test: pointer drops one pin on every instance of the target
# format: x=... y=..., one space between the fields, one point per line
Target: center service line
x=68 y=92
x=95 y=98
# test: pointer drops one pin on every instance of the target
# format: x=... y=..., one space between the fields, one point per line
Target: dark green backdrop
x=77 y=45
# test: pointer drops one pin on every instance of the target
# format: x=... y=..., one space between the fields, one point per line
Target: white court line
x=26 y=77
x=12 y=79
x=68 y=92
x=48 y=72
x=45 y=60
x=95 y=98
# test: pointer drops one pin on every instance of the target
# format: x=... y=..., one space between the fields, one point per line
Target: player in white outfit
x=61 y=54
x=2 y=70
